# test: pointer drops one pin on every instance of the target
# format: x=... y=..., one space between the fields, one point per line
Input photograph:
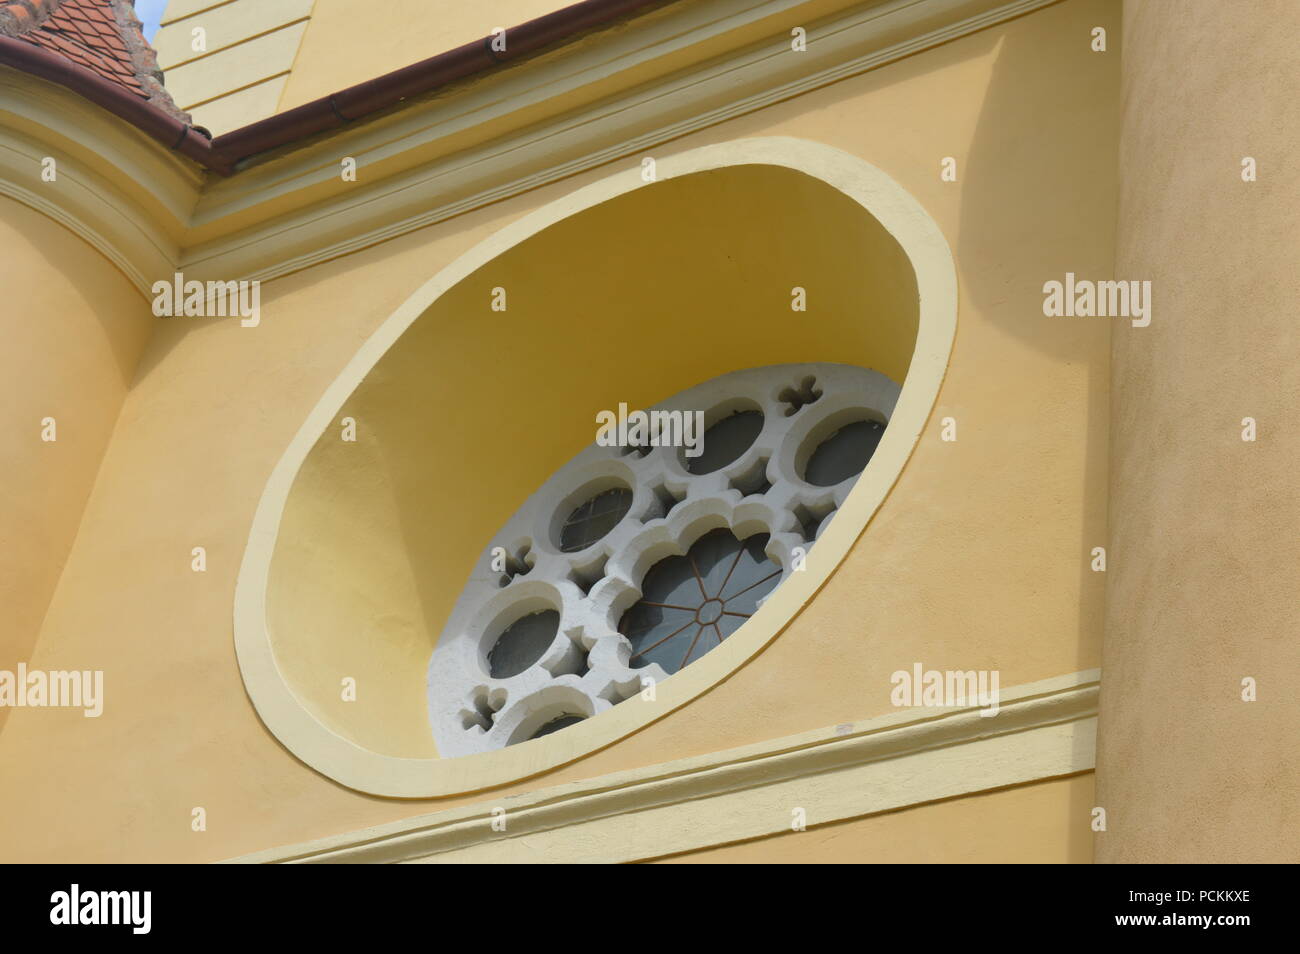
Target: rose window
x=632 y=562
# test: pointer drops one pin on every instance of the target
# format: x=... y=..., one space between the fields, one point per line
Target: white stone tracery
x=585 y=670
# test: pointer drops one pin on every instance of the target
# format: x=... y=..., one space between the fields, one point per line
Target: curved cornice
x=111 y=185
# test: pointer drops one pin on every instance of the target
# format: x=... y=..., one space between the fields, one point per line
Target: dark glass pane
x=844 y=454
x=594 y=518
x=728 y=624
x=725 y=441
x=672 y=581
x=522 y=644
x=691 y=603
x=714 y=555
x=670 y=650
x=646 y=617
x=753 y=578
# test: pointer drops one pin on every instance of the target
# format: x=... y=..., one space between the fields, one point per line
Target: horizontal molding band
x=626 y=125
x=225 y=229
x=1042 y=730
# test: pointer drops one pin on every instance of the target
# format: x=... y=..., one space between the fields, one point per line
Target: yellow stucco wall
x=74 y=330
x=977 y=560
x=1205 y=523
x=346 y=44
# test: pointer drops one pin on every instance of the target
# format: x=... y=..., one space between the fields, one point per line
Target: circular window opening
x=691 y=603
x=725 y=440
x=844 y=454
x=556 y=724
x=594 y=518
x=523 y=643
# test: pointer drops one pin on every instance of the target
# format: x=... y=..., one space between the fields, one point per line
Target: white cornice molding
x=114 y=187
x=1043 y=730
x=354 y=216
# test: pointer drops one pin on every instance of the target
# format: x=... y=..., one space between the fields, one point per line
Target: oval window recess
x=360 y=549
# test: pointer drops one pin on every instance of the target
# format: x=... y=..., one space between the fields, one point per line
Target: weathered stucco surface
x=1205 y=527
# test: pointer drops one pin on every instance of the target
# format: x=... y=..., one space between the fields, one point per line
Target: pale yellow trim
x=234 y=67
x=282 y=63
x=183 y=9
x=351 y=765
x=909 y=757
x=293 y=64
x=260 y=99
x=255 y=84
x=225 y=26
x=248 y=43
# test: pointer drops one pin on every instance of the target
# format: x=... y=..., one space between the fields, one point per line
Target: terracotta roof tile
x=102 y=35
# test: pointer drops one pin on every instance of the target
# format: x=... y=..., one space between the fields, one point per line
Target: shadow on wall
x=1069 y=167
x=75 y=328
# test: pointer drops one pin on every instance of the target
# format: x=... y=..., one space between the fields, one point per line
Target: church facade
x=734 y=431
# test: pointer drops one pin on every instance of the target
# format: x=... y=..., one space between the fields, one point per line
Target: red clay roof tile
x=101 y=35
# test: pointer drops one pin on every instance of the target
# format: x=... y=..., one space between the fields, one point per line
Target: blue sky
x=150 y=12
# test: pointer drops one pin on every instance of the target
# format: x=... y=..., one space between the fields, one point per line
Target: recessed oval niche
x=622 y=292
